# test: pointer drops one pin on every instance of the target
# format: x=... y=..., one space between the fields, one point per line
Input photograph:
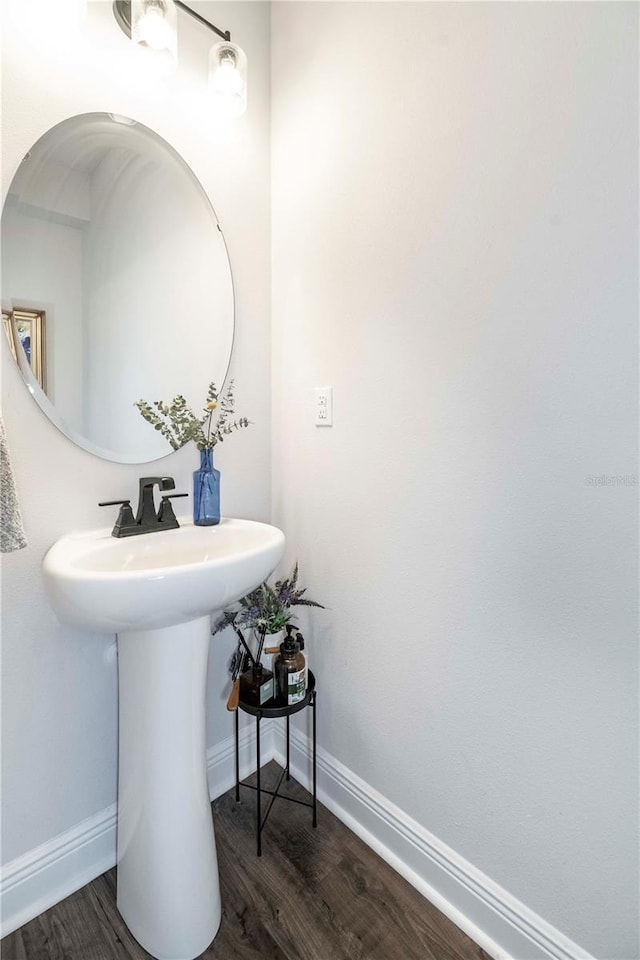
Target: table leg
x=258 y=805
x=315 y=814
x=237 y=756
x=288 y=736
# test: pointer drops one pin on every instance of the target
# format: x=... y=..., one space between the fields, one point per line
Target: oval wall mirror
x=116 y=283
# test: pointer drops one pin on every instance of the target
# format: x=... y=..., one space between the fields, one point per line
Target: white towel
x=11 y=530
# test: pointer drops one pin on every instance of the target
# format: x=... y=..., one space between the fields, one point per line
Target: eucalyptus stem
x=178 y=423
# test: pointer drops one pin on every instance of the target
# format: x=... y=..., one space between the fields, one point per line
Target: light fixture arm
x=224 y=34
x=122 y=13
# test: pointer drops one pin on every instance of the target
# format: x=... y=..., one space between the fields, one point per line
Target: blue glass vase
x=206 y=492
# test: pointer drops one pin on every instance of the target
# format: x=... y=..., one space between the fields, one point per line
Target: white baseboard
x=500 y=924
x=37 y=880
x=505 y=928
x=47 y=874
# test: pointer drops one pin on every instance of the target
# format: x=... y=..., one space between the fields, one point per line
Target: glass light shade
x=154 y=25
x=228 y=79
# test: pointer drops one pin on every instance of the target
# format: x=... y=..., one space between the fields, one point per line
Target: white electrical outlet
x=324 y=406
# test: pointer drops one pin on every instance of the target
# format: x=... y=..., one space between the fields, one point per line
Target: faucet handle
x=126 y=520
x=166 y=516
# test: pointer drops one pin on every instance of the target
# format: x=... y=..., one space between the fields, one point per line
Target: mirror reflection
x=116 y=283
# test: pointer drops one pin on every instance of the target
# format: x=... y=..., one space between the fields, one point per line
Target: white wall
x=59 y=693
x=455 y=250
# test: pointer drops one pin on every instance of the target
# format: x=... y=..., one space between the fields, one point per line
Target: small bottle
x=290 y=671
x=256 y=685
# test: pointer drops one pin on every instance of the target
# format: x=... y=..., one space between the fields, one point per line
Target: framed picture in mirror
x=25 y=330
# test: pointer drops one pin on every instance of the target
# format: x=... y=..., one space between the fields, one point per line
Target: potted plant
x=266 y=611
x=177 y=422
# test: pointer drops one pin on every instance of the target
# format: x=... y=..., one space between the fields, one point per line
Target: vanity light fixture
x=228 y=78
x=153 y=24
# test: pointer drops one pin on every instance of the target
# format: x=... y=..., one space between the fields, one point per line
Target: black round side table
x=269 y=710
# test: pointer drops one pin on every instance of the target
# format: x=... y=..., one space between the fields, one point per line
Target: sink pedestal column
x=168 y=887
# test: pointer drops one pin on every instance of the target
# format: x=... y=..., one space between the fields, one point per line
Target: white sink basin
x=101 y=583
x=157 y=592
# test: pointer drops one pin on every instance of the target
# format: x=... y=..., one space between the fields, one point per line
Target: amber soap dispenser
x=290 y=671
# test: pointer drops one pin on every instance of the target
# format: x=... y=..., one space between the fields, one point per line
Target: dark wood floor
x=313 y=895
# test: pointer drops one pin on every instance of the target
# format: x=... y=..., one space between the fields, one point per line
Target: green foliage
x=267 y=609
x=178 y=424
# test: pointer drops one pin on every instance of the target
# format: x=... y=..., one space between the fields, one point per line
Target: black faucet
x=146 y=519
x=146 y=515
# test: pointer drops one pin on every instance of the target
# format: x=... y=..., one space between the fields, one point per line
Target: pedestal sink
x=157 y=592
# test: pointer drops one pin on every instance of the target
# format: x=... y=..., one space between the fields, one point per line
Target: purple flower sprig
x=267 y=609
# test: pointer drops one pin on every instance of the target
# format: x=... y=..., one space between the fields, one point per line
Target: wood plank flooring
x=313 y=895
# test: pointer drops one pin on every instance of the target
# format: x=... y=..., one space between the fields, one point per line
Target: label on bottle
x=266 y=691
x=296 y=687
